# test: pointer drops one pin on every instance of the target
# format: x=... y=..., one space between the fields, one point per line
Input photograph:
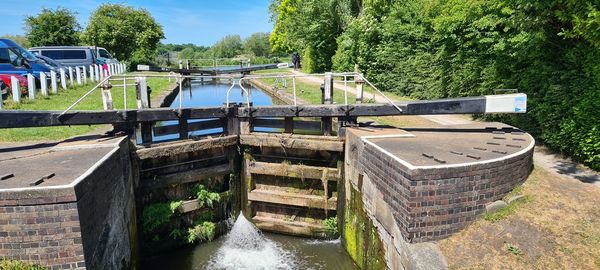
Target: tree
x=58 y=27
x=258 y=44
x=131 y=34
x=227 y=47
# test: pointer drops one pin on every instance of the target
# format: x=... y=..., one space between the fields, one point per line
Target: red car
x=5 y=84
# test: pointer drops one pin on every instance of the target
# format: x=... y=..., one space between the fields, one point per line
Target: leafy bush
x=331 y=226
x=204 y=231
x=205 y=197
x=158 y=214
x=18 y=265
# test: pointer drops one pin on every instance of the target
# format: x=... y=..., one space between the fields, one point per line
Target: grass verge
x=555 y=226
x=62 y=100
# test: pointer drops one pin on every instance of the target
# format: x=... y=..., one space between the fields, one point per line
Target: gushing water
x=246 y=248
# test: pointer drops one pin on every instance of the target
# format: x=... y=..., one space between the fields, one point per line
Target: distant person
x=296 y=60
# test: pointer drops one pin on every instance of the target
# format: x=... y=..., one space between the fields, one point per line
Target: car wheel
x=4 y=90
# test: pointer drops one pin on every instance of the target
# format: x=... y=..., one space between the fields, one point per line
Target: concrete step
x=297 y=171
x=285 y=198
x=289 y=227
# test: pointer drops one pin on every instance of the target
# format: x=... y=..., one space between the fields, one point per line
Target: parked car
x=69 y=56
x=6 y=84
x=72 y=56
x=104 y=55
x=54 y=65
x=16 y=60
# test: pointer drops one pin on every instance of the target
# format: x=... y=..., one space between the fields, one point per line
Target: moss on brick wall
x=360 y=237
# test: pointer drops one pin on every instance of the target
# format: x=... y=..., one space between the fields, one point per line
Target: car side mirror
x=25 y=63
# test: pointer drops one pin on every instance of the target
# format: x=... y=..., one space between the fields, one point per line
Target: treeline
x=131 y=34
x=447 y=48
x=255 y=47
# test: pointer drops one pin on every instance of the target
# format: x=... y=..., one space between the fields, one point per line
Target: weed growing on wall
x=158 y=214
x=205 y=197
x=331 y=226
x=203 y=231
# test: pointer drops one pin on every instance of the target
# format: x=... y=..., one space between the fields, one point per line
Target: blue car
x=16 y=60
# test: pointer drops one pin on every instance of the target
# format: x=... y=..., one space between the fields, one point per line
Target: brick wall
x=46 y=233
x=432 y=203
x=88 y=225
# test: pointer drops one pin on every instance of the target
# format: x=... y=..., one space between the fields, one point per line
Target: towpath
x=544 y=158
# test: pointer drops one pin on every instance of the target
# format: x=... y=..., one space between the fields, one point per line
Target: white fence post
x=101 y=73
x=78 y=74
x=16 y=92
x=97 y=72
x=31 y=86
x=53 y=82
x=63 y=78
x=84 y=74
x=71 y=75
x=92 y=77
x=43 y=84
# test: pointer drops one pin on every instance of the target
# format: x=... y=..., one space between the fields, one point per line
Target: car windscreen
x=105 y=54
x=65 y=54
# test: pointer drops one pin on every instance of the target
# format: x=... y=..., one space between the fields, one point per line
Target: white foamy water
x=246 y=248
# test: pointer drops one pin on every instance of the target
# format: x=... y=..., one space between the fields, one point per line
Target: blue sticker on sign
x=520 y=104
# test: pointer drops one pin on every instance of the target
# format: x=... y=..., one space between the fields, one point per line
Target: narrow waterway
x=245 y=247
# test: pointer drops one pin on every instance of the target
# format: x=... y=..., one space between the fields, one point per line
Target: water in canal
x=245 y=247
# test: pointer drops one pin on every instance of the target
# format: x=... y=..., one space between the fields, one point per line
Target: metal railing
x=236 y=80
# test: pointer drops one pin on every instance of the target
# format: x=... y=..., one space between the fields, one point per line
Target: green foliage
x=513 y=249
x=331 y=226
x=131 y=34
x=309 y=27
x=158 y=214
x=257 y=44
x=506 y=211
x=58 y=27
x=203 y=231
x=229 y=46
x=17 y=265
x=427 y=49
x=177 y=234
x=205 y=197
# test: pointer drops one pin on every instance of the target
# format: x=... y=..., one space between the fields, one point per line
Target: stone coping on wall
x=437 y=182
x=49 y=174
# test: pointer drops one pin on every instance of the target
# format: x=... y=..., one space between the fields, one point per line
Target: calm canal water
x=281 y=252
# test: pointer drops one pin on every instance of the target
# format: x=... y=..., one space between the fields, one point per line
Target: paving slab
x=51 y=164
x=460 y=144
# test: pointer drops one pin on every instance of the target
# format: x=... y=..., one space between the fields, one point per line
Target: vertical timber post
x=78 y=74
x=233 y=122
x=16 y=92
x=143 y=103
x=107 y=97
x=288 y=125
x=71 y=75
x=327 y=98
x=63 y=78
x=53 y=82
x=360 y=84
x=31 y=86
x=43 y=84
x=84 y=74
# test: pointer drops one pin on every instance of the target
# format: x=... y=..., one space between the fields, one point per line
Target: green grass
x=18 y=265
x=62 y=100
x=311 y=92
x=506 y=211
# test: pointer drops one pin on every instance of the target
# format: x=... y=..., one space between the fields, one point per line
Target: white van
x=76 y=55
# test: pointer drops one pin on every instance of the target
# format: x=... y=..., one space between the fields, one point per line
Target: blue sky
x=201 y=22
